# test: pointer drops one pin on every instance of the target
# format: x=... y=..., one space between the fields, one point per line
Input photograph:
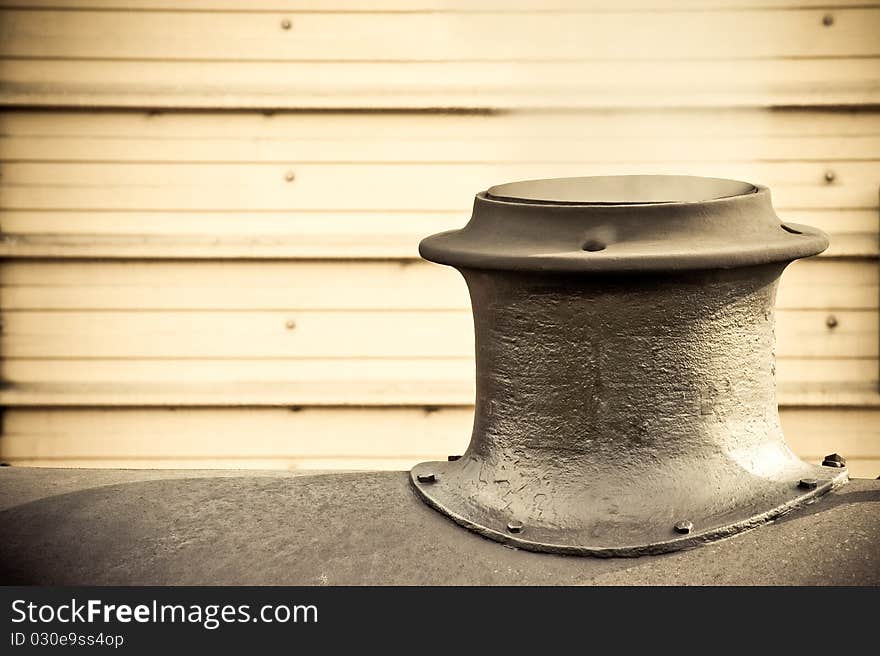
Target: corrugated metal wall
x=210 y=209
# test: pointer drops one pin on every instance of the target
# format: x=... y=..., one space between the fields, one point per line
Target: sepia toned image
x=440 y=292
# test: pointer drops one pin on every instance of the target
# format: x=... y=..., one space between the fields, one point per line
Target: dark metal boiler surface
x=625 y=408
x=129 y=527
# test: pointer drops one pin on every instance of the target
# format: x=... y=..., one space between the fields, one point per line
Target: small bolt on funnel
x=625 y=369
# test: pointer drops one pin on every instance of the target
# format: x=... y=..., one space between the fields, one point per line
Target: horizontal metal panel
x=291 y=235
x=432 y=85
x=438 y=36
x=431 y=164
x=342 y=382
x=458 y=136
x=583 y=148
x=339 y=334
x=328 y=438
x=814 y=284
x=350 y=187
x=592 y=55
x=425 y=5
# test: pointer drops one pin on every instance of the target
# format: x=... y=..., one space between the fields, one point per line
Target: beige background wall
x=210 y=209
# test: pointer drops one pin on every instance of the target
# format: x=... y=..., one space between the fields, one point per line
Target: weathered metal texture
x=625 y=366
x=174 y=527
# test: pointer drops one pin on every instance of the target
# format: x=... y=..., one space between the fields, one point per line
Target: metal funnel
x=625 y=365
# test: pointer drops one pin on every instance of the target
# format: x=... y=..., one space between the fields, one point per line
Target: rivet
x=515 y=527
x=831 y=321
x=827 y=20
x=426 y=478
x=453 y=458
x=289 y=176
x=830 y=176
x=808 y=483
x=286 y=24
x=290 y=324
x=834 y=460
x=684 y=527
